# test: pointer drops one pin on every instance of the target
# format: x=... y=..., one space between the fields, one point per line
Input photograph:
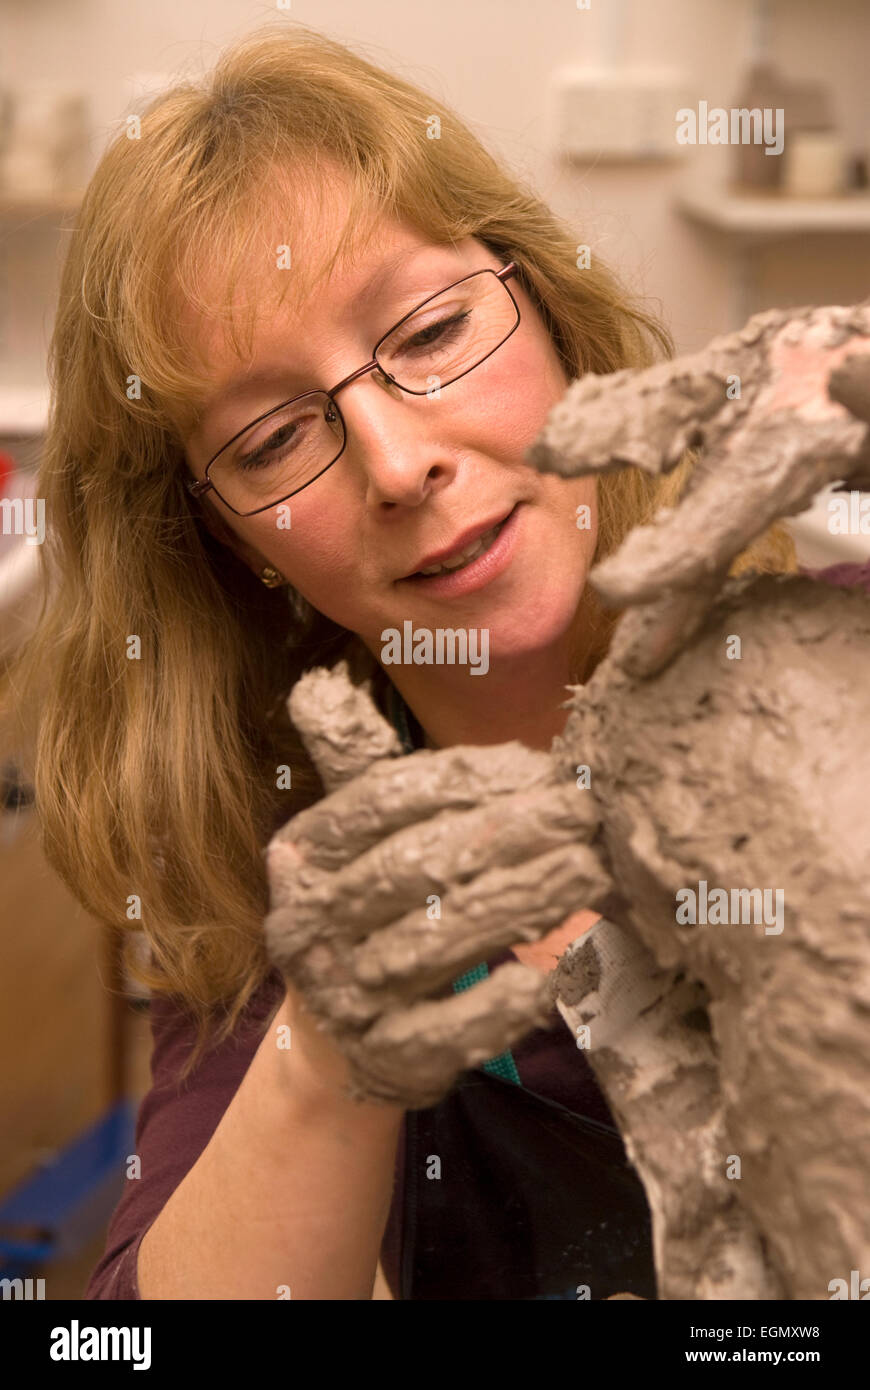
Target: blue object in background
x=57 y=1210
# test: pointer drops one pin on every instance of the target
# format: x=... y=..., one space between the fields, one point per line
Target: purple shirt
x=175 y=1123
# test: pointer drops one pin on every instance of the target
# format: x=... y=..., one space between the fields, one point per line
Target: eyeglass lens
x=441 y=341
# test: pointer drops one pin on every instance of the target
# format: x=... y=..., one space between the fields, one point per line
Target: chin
x=533 y=627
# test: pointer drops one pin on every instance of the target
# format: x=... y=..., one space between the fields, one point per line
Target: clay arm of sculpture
x=772 y=434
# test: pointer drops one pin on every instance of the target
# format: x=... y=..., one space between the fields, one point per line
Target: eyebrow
x=245 y=383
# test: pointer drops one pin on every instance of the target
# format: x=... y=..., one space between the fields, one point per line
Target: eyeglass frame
x=199 y=486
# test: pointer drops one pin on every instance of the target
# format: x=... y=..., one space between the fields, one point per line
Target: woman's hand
x=545 y=954
x=406 y=875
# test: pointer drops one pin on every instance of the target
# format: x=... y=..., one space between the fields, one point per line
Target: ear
x=218 y=527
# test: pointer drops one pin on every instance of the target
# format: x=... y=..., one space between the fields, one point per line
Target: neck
x=523 y=704
x=522 y=698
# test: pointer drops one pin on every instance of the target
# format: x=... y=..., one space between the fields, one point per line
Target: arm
x=291 y=1183
x=293 y=1190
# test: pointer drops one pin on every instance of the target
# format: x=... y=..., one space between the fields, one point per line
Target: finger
x=648 y=637
x=859 y=479
x=308 y=904
x=413 y=1057
x=401 y=791
x=849 y=384
x=643 y=417
x=417 y=955
x=650 y=416
x=341 y=727
x=481 y=918
x=771 y=470
x=453 y=847
x=286 y=934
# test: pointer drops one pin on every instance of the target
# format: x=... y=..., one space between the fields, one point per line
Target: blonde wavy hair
x=157 y=777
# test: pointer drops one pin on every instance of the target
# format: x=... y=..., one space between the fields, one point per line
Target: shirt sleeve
x=849 y=574
x=176 y=1119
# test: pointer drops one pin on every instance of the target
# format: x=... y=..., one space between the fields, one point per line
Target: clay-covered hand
x=780 y=410
x=410 y=871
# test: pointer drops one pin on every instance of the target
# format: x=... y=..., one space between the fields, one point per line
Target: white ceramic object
x=815 y=164
x=46 y=138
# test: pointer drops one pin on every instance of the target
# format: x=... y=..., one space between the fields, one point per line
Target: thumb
x=340 y=725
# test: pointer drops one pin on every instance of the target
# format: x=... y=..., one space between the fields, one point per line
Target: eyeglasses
x=287 y=448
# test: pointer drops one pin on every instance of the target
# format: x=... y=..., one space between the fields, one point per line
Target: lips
x=466 y=547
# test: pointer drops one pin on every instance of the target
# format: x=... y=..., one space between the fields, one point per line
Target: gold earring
x=270 y=577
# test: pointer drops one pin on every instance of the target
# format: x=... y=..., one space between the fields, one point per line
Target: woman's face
x=419 y=475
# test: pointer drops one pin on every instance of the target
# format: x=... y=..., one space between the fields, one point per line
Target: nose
x=390 y=438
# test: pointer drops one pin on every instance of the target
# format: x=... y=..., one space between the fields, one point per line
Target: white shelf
x=756 y=216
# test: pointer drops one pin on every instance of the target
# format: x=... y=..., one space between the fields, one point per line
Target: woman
x=259 y=239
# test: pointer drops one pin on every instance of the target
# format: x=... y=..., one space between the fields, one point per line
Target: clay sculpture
x=721 y=830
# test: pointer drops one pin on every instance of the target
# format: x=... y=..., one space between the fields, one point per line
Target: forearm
x=292 y=1192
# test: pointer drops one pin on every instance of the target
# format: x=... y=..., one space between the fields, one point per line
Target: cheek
x=584 y=504
x=566 y=534
x=510 y=397
x=318 y=550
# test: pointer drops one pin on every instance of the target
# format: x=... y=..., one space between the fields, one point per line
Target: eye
x=268 y=450
x=294 y=427
x=441 y=333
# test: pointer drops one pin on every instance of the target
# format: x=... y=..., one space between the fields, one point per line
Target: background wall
x=494 y=60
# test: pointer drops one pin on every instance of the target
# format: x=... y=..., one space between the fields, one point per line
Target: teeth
x=464 y=557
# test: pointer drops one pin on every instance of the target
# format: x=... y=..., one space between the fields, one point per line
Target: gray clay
x=736 y=1059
